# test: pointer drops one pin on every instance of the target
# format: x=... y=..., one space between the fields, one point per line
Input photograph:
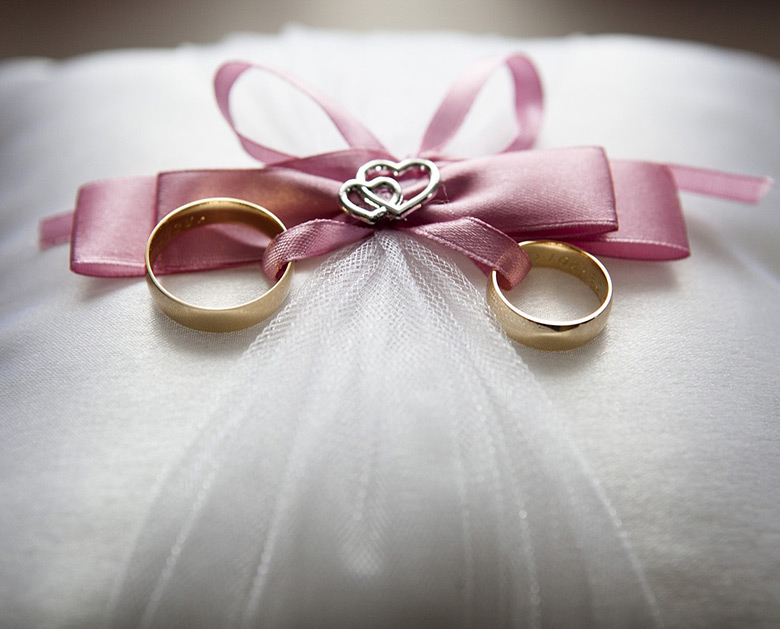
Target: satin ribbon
x=483 y=206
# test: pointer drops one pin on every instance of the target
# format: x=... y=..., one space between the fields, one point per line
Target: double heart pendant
x=376 y=192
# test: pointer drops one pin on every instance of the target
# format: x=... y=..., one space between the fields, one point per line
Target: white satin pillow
x=674 y=408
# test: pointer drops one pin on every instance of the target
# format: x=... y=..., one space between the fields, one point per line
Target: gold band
x=209 y=212
x=544 y=333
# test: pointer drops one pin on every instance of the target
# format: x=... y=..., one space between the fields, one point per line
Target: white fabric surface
x=673 y=410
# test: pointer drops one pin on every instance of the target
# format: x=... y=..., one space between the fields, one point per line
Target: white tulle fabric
x=420 y=477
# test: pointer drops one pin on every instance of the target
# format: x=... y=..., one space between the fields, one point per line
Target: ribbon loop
x=353 y=132
x=489 y=248
x=528 y=103
x=309 y=240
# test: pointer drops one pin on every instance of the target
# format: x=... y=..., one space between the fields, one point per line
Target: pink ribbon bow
x=484 y=205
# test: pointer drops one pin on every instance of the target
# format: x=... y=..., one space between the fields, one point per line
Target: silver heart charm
x=372 y=211
x=376 y=206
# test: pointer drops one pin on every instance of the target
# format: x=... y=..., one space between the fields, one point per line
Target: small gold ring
x=548 y=334
x=209 y=212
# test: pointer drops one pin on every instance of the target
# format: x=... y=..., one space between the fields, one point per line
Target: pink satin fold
x=484 y=205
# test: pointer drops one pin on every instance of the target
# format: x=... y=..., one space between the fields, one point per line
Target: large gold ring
x=548 y=334
x=208 y=212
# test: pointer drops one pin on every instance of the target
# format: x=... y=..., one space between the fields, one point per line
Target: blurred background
x=63 y=28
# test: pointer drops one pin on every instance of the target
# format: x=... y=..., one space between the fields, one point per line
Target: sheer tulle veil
x=381 y=456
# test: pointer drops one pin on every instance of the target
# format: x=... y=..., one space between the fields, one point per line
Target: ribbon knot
x=373 y=206
x=484 y=205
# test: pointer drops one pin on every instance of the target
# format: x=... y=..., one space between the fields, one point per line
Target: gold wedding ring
x=209 y=212
x=545 y=333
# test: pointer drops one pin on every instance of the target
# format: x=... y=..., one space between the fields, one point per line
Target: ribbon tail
x=489 y=248
x=716 y=183
x=652 y=225
x=55 y=230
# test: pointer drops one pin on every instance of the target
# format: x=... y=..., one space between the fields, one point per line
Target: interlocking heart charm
x=372 y=198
